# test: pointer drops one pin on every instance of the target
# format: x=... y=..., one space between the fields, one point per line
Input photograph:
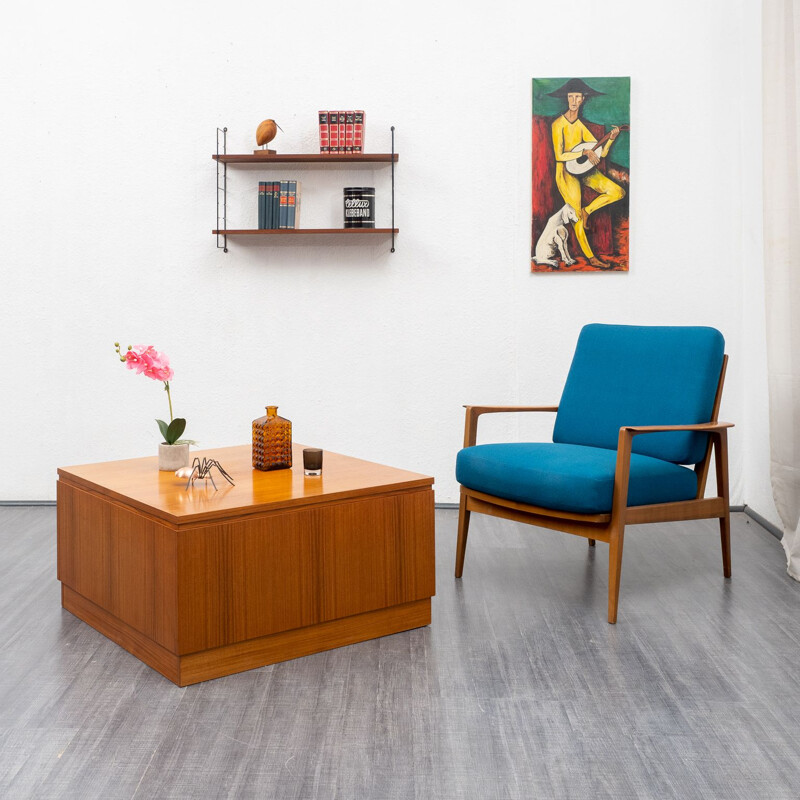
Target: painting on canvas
x=580 y=159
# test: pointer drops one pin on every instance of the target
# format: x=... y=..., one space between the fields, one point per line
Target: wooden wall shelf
x=223 y=158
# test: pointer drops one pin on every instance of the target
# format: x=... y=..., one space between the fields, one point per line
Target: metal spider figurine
x=202 y=469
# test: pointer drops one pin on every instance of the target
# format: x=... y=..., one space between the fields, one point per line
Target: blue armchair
x=632 y=443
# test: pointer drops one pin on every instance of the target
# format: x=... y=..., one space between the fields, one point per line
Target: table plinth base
x=185 y=670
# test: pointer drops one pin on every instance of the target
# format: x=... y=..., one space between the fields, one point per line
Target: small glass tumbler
x=312 y=461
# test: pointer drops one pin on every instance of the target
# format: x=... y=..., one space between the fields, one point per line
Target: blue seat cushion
x=641 y=375
x=569 y=477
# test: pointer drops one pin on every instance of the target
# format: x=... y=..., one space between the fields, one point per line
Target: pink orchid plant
x=145 y=359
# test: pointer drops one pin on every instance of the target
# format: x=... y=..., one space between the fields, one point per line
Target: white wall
x=109 y=200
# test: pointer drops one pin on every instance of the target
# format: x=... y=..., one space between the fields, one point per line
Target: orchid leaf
x=162 y=426
x=175 y=429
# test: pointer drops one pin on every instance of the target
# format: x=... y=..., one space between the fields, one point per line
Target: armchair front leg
x=616 y=528
x=463 y=531
x=470 y=439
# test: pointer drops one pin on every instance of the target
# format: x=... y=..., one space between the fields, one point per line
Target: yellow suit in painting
x=566 y=135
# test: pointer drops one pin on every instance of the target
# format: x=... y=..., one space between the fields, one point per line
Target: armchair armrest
x=473 y=412
x=701 y=427
x=718 y=430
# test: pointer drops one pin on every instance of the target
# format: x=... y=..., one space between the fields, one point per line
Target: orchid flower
x=146 y=360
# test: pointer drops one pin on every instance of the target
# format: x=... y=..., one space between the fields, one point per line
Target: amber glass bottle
x=272 y=441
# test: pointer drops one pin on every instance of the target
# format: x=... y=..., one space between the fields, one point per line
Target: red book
x=349 y=118
x=333 y=131
x=358 y=131
x=324 y=134
x=341 y=131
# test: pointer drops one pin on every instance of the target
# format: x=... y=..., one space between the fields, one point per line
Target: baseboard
x=733 y=508
x=764 y=523
x=27 y=502
x=754 y=515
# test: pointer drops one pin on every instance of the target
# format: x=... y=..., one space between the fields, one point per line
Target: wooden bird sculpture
x=265 y=133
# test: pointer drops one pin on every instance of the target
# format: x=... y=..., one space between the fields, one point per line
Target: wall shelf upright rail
x=393 y=160
x=222 y=190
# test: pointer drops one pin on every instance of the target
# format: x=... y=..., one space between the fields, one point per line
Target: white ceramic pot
x=172 y=456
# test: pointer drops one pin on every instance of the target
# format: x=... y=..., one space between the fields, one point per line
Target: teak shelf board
x=294 y=231
x=299 y=158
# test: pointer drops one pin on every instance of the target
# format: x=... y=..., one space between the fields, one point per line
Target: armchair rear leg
x=463 y=529
x=721 y=459
x=725 y=537
x=614 y=570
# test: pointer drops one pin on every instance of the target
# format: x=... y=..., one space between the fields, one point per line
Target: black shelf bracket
x=392 y=250
x=222 y=191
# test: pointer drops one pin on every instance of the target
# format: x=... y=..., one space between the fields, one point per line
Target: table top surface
x=138 y=483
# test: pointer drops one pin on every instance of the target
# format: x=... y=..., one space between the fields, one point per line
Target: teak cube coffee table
x=200 y=584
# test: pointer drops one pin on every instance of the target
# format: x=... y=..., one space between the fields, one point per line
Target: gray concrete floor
x=518 y=689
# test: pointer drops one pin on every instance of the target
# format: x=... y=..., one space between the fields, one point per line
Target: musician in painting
x=568 y=133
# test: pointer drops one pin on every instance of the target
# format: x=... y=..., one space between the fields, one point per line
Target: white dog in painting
x=553 y=241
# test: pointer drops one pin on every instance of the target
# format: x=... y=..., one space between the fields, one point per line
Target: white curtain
x=781 y=61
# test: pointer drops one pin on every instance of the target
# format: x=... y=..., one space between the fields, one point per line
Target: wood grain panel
x=119 y=560
x=274 y=586
x=129 y=540
x=84 y=558
x=246 y=579
x=277 y=572
x=377 y=554
x=65 y=524
x=204 y=586
x=165 y=587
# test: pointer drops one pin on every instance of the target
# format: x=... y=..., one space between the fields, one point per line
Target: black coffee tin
x=359 y=207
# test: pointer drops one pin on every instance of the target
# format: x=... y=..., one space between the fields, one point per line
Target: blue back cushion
x=632 y=375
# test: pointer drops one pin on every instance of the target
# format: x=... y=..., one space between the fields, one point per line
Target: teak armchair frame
x=610 y=527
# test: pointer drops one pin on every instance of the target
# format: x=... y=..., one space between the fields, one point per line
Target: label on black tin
x=359 y=207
